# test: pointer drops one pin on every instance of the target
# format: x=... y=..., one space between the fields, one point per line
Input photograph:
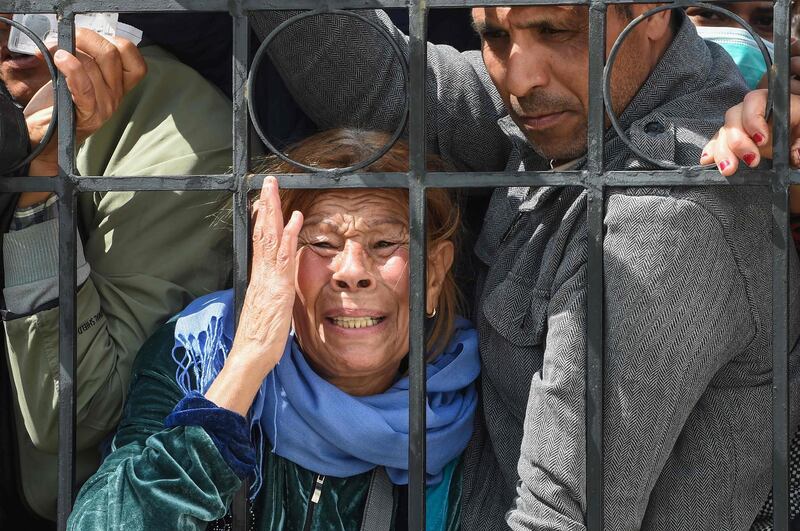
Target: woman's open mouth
x=356 y=322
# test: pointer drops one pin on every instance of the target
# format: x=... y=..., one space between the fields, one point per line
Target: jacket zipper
x=319 y=480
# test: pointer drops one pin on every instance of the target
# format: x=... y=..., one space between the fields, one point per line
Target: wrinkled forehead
x=367 y=208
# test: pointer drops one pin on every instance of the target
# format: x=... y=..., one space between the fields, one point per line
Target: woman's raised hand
x=747 y=136
x=267 y=312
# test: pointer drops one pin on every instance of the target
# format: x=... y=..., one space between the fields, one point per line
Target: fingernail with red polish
x=723 y=164
x=749 y=158
x=758 y=138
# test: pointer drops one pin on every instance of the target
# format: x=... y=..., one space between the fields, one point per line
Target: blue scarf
x=321 y=428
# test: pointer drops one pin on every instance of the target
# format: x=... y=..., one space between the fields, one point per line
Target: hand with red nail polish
x=747 y=135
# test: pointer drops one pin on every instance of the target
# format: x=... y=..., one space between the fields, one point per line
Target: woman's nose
x=352 y=269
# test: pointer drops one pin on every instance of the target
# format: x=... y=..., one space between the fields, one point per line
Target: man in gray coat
x=687 y=270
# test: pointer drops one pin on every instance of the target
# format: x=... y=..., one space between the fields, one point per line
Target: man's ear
x=440 y=260
x=656 y=26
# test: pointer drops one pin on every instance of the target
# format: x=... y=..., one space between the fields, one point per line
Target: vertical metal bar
x=67 y=280
x=241 y=217
x=780 y=271
x=418 y=14
x=241 y=156
x=595 y=302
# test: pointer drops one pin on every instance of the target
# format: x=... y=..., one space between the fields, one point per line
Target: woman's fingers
x=794 y=153
x=726 y=160
x=738 y=141
x=753 y=120
x=288 y=250
x=268 y=227
x=720 y=150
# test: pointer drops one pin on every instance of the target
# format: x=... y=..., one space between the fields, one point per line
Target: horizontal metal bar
x=169 y=183
x=610 y=178
x=631 y=179
x=28 y=184
x=325 y=180
x=126 y=6
x=686 y=177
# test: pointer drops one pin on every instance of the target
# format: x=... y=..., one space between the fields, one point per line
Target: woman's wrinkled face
x=351 y=311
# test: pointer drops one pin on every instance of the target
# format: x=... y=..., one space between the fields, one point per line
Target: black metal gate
x=595 y=179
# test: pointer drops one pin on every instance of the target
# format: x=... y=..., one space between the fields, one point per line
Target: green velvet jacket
x=176 y=479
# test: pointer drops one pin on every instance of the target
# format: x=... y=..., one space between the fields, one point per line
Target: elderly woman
x=308 y=399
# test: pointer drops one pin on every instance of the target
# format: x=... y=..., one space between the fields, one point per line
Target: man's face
x=757 y=14
x=22 y=74
x=538 y=59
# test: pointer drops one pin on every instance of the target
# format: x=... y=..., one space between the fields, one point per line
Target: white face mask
x=742 y=48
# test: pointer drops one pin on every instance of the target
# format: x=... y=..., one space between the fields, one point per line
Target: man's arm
x=146 y=253
x=667 y=335
x=342 y=72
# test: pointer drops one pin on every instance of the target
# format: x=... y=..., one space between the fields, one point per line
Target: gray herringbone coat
x=687 y=284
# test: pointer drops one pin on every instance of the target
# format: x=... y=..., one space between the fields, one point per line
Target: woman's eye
x=762 y=23
x=323 y=245
x=383 y=244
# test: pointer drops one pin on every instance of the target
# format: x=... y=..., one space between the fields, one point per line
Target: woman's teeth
x=356 y=322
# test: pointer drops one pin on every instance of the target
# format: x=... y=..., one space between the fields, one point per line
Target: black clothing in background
x=451 y=26
x=204 y=41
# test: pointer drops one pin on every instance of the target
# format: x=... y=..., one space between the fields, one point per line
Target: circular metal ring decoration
x=613 y=55
x=259 y=57
x=54 y=78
